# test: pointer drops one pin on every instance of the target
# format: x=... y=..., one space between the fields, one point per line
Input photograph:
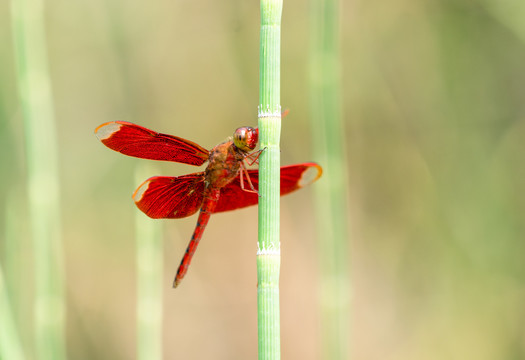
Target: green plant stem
x=42 y=175
x=148 y=234
x=10 y=347
x=15 y=273
x=12 y=251
x=268 y=254
x=331 y=193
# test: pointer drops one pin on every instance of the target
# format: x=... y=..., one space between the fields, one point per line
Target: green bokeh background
x=434 y=107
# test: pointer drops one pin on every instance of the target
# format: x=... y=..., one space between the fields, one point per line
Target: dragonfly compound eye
x=246 y=138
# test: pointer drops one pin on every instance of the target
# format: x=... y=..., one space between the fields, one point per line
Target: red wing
x=293 y=177
x=166 y=197
x=137 y=141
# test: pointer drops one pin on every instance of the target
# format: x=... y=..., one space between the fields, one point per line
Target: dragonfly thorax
x=224 y=164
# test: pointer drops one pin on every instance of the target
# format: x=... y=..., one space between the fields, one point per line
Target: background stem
x=150 y=269
x=331 y=193
x=10 y=346
x=34 y=86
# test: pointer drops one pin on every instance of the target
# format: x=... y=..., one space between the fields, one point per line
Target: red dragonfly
x=226 y=183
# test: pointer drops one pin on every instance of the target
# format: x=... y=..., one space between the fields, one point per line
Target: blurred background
x=434 y=108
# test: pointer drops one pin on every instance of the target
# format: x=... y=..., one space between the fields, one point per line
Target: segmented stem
x=268 y=255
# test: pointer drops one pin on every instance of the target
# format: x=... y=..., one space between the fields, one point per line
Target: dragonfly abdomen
x=208 y=206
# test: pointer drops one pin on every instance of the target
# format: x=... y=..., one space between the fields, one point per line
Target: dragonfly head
x=246 y=138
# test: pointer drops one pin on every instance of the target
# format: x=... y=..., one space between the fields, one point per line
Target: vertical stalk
x=148 y=234
x=43 y=179
x=10 y=347
x=268 y=249
x=331 y=194
x=13 y=240
x=13 y=290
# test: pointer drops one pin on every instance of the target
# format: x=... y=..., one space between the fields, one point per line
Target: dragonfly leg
x=242 y=174
x=254 y=157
